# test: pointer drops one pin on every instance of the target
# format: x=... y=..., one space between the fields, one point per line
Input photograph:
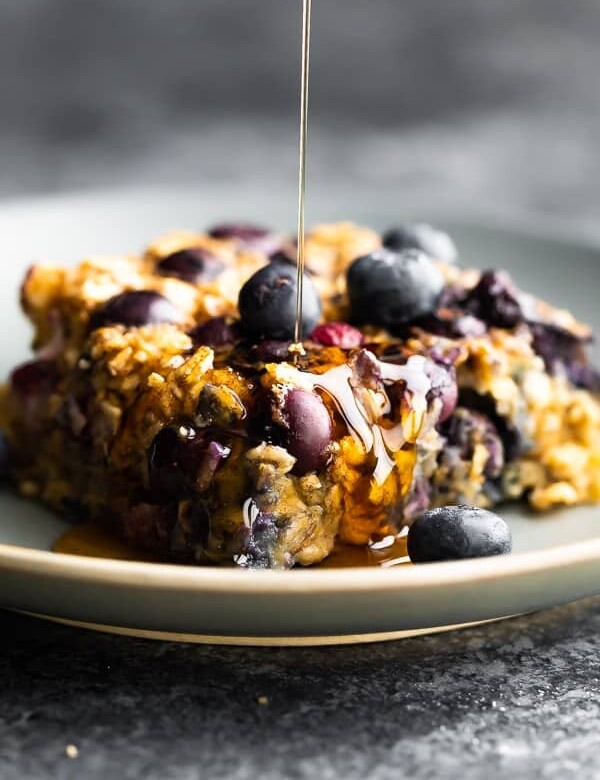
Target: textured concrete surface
x=517 y=699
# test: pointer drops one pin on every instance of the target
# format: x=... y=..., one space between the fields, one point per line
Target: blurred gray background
x=485 y=104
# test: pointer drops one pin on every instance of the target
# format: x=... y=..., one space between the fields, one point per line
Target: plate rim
x=217 y=580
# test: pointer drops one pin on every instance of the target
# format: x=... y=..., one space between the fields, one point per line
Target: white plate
x=556 y=558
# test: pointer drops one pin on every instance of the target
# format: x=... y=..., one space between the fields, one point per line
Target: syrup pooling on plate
x=92 y=540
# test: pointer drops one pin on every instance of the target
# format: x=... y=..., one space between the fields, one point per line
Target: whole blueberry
x=308 y=430
x=267 y=303
x=195 y=265
x=455 y=532
x=435 y=243
x=215 y=332
x=391 y=289
x=135 y=308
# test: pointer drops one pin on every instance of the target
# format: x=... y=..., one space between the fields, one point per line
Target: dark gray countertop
x=515 y=699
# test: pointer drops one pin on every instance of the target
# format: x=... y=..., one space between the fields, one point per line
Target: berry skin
x=495 y=300
x=443 y=387
x=435 y=243
x=240 y=231
x=391 y=289
x=215 y=332
x=267 y=303
x=457 y=532
x=134 y=309
x=308 y=431
x=194 y=265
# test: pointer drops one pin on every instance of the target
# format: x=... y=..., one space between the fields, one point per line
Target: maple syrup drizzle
x=92 y=540
x=306 y=16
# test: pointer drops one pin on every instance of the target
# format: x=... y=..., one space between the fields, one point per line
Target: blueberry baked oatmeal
x=167 y=400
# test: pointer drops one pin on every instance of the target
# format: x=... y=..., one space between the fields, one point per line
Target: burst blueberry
x=267 y=303
x=194 y=265
x=495 y=300
x=392 y=289
x=215 y=332
x=457 y=532
x=136 y=308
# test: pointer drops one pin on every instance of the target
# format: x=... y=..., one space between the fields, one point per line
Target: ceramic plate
x=556 y=558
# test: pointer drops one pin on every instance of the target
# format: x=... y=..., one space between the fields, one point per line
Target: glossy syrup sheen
x=94 y=541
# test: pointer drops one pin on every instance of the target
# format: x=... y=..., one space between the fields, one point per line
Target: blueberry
x=249 y=236
x=435 y=243
x=182 y=462
x=35 y=377
x=194 y=265
x=259 y=542
x=307 y=430
x=239 y=231
x=495 y=300
x=267 y=303
x=272 y=351
x=4 y=457
x=566 y=352
x=455 y=532
x=443 y=387
x=216 y=332
x=465 y=431
x=393 y=288
x=135 y=308
x=452 y=324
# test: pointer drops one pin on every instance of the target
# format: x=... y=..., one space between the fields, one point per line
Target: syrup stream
x=306 y=15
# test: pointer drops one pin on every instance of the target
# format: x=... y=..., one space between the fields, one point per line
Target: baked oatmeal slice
x=166 y=400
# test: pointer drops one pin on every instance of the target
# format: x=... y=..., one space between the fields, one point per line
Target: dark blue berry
x=391 y=289
x=259 y=542
x=267 y=303
x=135 y=308
x=452 y=324
x=565 y=352
x=253 y=237
x=194 y=265
x=495 y=300
x=35 y=377
x=239 y=231
x=456 y=532
x=443 y=387
x=466 y=430
x=435 y=243
x=216 y=332
x=182 y=462
x=308 y=430
x=271 y=351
